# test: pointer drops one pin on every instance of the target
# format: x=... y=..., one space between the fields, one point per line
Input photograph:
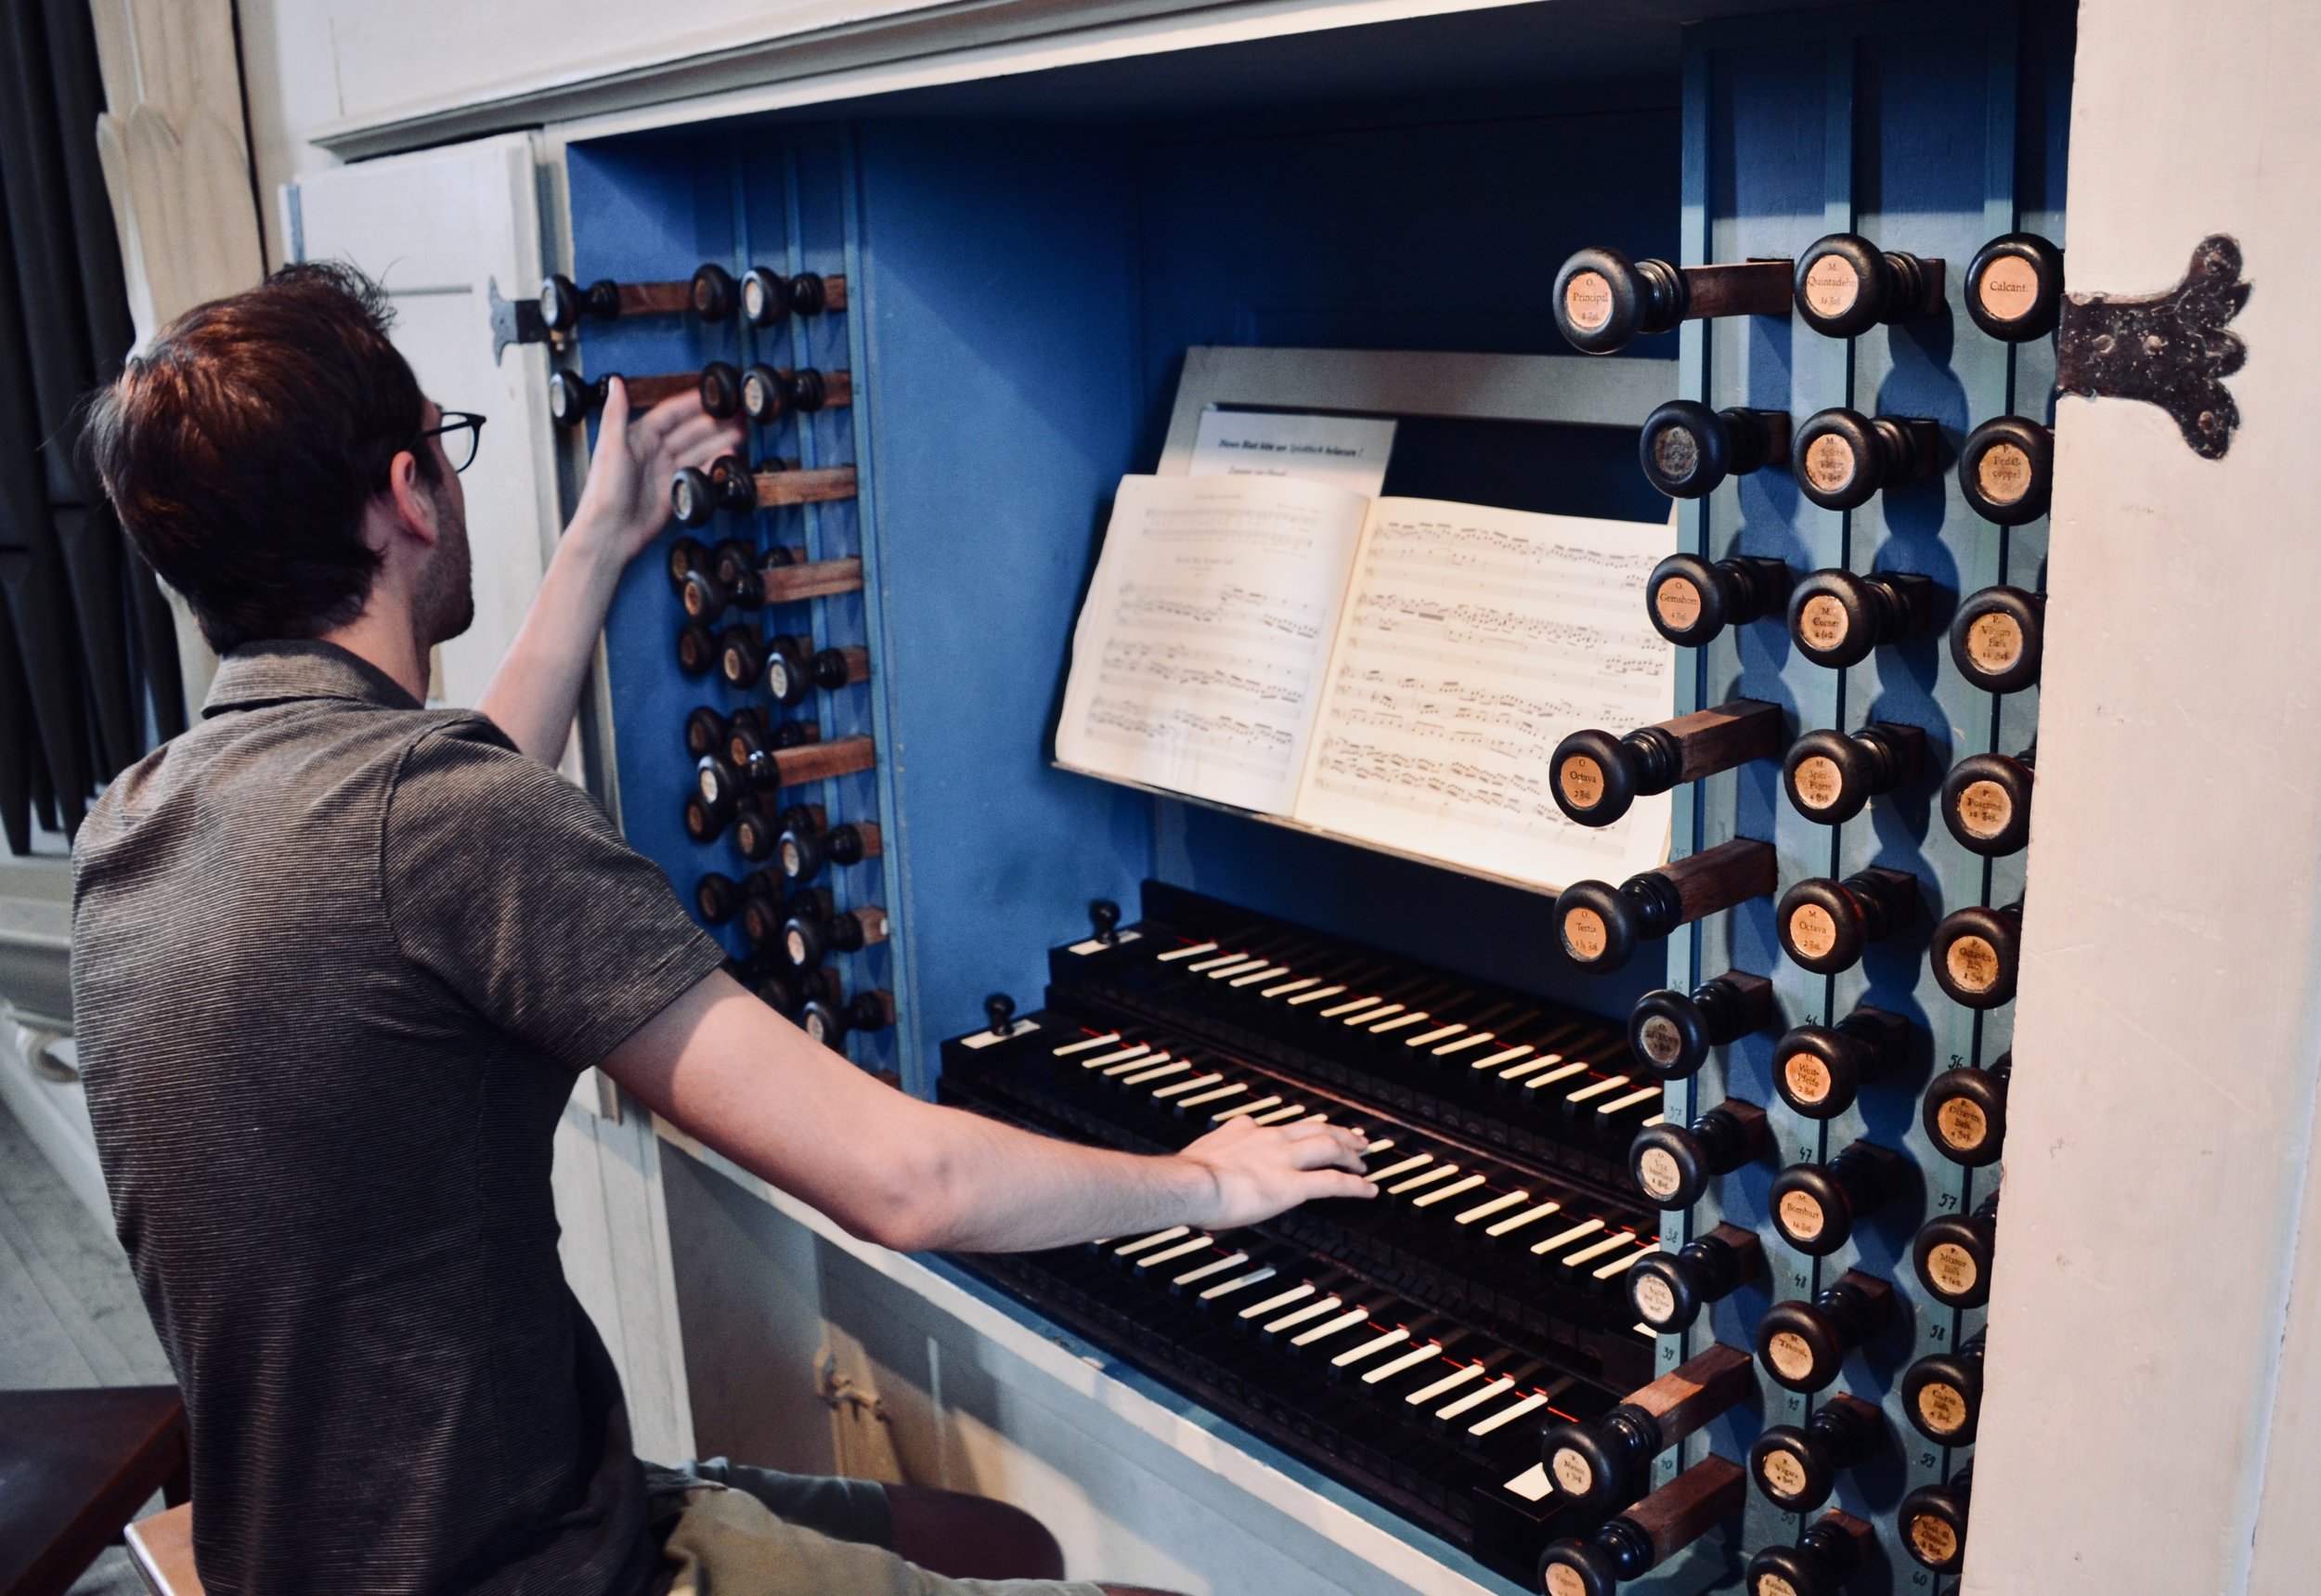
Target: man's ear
x=414 y=505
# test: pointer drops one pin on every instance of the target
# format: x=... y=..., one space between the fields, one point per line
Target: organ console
x=1952 y=1255
x=1820 y=1070
x=1847 y=285
x=1996 y=636
x=1604 y=300
x=1668 y=1290
x=710 y=295
x=1841 y=458
x=696 y=495
x=1830 y=776
x=1831 y=1552
x=1934 y=1523
x=1673 y=1164
x=1942 y=1394
x=1801 y=1345
x=1964 y=1111
x=1688 y=449
x=1837 y=617
x=1601 y=1466
x=2006 y=470
x=2015 y=286
x=1600 y=926
x=1597 y=776
x=1824 y=926
x=805 y=846
x=1986 y=803
x=811 y=937
x=1975 y=954
x=1648 y=1534
x=1816 y=1206
x=1795 y=1466
x=1691 y=601
x=1671 y=1031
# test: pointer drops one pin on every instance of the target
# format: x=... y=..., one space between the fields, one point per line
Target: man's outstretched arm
x=536 y=691
x=913 y=1176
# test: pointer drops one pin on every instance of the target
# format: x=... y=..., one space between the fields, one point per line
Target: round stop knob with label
x=695 y=496
x=1690 y=600
x=1646 y=1534
x=1816 y=1206
x=1670 y=1032
x=1667 y=1291
x=1600 y=1465
x=1603 y=301
x=811 y=938
x=2006 y=470
x=1836 y=619
x=829 y=1022
x=1976 y=955
x=1942 y=1394
x=1830 y=776
x=562 y=302
x=720 y=389
x=1842 y=459
x=686 y=554
x=573 y=398
x=2014 y=288
x=1801 y=1345
x=1952 y=1255
x=765 y=296
x=704 y=732
x=716 y=897
x=1686 y=449
x=712 y=293
x=1833 y=1550
x=807 y=849
x=1825 y=925
x=1986 y=803
x=696 y=649
x=1996 y=638
x=1673 y=1164
x=1600 y=927
x=1595 y=777
x=1820 y=1070
x=1965 y=1112
x=1795 y=1466
x=1846 y=285
x=1933 y=1520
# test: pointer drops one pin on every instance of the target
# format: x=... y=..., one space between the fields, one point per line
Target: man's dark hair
x=241 y=448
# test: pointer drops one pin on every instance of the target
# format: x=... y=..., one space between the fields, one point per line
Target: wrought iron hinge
x=517 y=321
x=2168 y=349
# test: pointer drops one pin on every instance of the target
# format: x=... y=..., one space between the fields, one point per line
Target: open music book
x=1393 y=671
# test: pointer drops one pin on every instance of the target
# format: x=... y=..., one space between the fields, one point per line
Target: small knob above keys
x=1104 y=918
x=1986 y=803
x=1833 y=1550
x=1847 y=285
x=1830 y=776
x=1795 y=1466
x=1000 y=1009
x=1820 y=1070
x=1673 y=1164
x=1996 y=639
x=1825 y=925
x=1965 y=1112
x=1668 y=1290
x=1686 y=448
x=1690 y=600
x=1816 y=1206
x=1802 y=1344
x=1842 y=459
x=2006 y=470
x=1837 y=618
x=1942 y=1394
x=1976 y=954
x=1952 y=1254
x=1933 y=1521
x=1596 y=777
x=1670 y=1032
x=2014 y=288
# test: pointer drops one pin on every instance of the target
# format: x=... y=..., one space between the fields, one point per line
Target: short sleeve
x=509 y=885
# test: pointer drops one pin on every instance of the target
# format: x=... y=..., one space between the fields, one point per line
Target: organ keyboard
x=1414 y=1346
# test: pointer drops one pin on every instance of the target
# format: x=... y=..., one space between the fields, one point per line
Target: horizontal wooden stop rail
x=787 y=584
x=646 y=391
x=818 y=486
x=820 y=762
x=653 y=298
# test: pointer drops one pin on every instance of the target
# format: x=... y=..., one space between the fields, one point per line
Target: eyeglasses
x=461 y=431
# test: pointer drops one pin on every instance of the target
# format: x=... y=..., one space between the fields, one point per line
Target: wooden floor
x=70 y=1314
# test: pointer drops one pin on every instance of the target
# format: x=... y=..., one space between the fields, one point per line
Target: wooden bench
x=75 y=1466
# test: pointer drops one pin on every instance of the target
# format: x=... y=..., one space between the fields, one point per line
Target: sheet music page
x=1473 y=641
x=1200 y=650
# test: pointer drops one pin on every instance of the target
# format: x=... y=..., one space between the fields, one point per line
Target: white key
x=1644 y=1330
x=1378 y=1145
x=1541 y=1084
x=1609 y=1083
x=1449 y=1382
x=1405 y=1167
x=1351 y=1005
x=1294 y=1294
x=1504 y=1056
x=1157 y=1238
x=1373 y=1014
x=1417 y=1017
x=1642 y=1094
x=1530 y=1404
x=1315 y=1120
x=1239 y=966
x=1160 y=1072
x=1318 y=993
x=1104 y=1041
x=1509 y=1227
x=1254 y=1278
x=1428 y=1038
x=1497 y=1388
x=1425 y=1177
x=1562 y=1238
x=1342 y=1323
x=1217 y=1096
x=1266 y=974
x=1543 y=1068
x=1484 y=1210
x=1596 y=1250
x=1453 y=1190
x=1406 y=1361
x=1259 y=1107
x=1287 y=987
x=1147 y=1062
x=1532 y=1484
x=1101 y=1060
x=1220 y=1267
x=1195 y=1084
x=1278 y=1115
x=1370 y=1349
x=1297 y=1317
x=1194 y=952
x=1477 y=1040
x=1622 y=1265
x=1166 y=1254
x=1212 y=963
x=1656 y=1120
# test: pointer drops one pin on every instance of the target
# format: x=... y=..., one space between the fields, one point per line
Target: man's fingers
x=1324 y=1152
x=1335 y=1183
x=665 y=418
x=616 y=416
x=701 y=438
